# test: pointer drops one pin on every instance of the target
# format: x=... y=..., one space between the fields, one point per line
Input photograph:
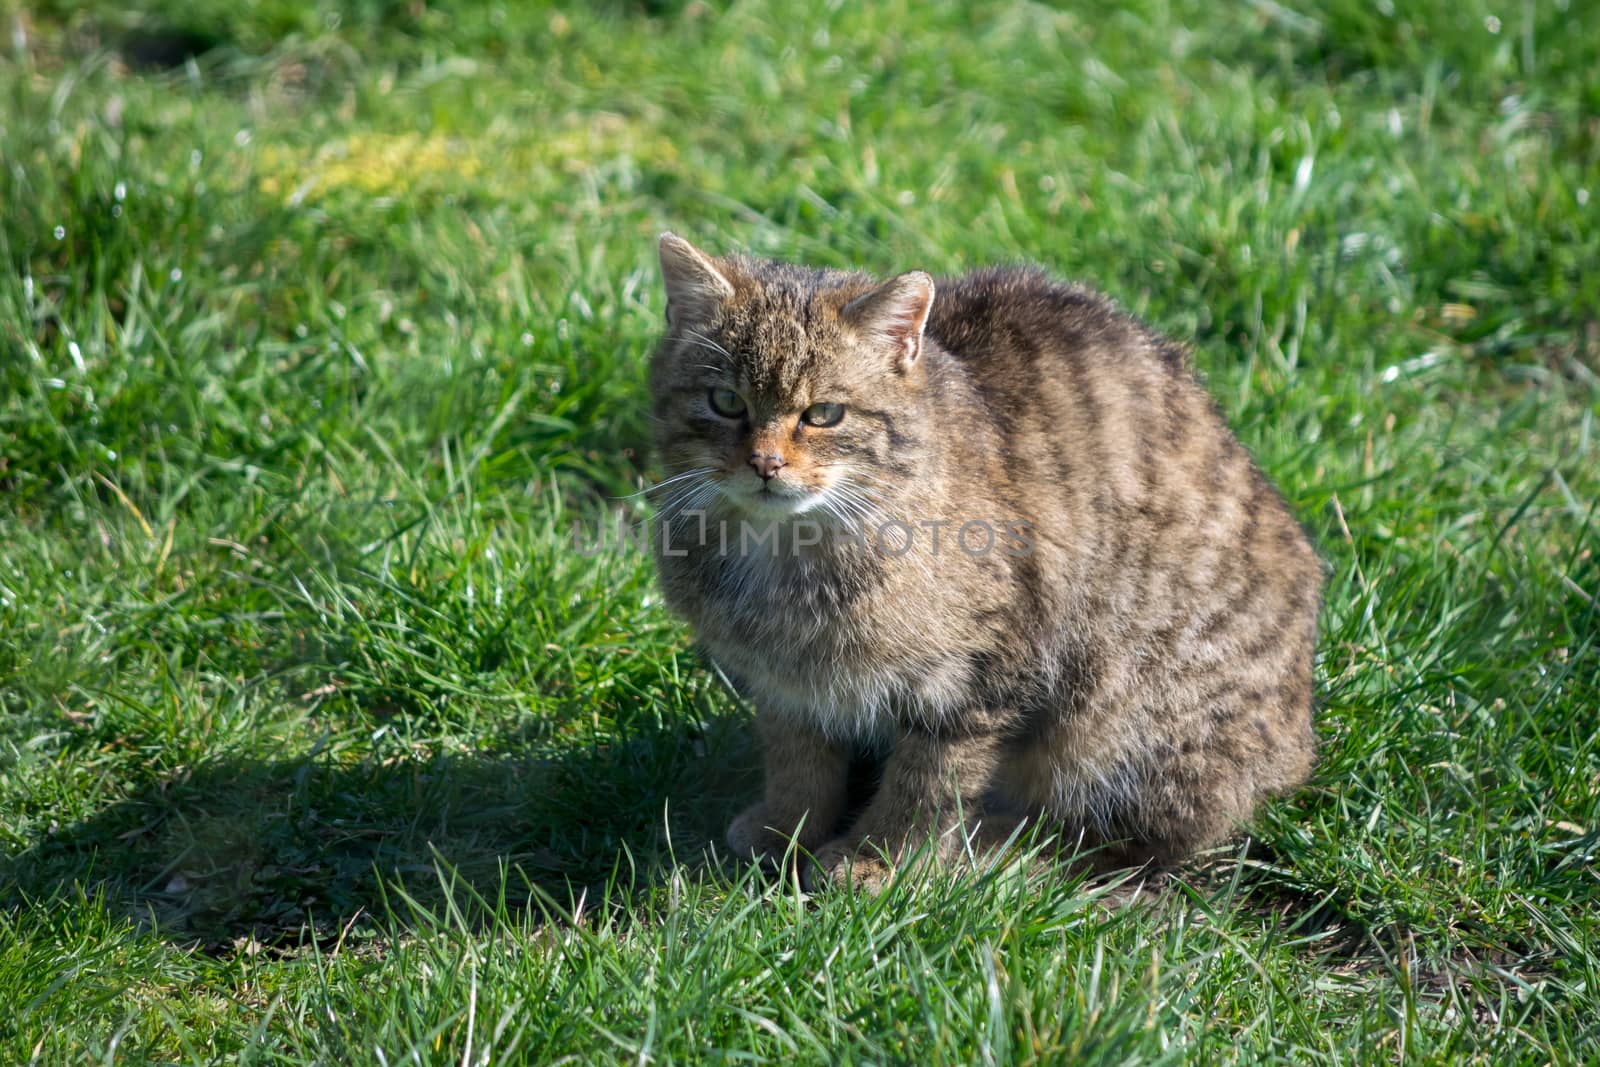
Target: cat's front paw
x=760 y=835
x=847 y=864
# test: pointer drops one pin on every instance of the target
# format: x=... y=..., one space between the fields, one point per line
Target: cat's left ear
x=895 y=314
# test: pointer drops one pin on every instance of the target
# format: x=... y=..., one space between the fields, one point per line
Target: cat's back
x=1153 y=521
x=1088 y=405
x=1102 y=427
x=1000 y=322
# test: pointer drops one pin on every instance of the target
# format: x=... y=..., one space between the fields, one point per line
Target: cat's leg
x=1075 y=782
x=932 y=788
x=1167 y=792
x=806 y=791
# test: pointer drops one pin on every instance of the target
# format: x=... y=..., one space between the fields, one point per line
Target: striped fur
x=1135 y=666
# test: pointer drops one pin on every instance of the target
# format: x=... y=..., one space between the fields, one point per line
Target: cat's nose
x=766 y=463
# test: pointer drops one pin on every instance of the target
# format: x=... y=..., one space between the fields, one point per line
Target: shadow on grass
x=286 y=851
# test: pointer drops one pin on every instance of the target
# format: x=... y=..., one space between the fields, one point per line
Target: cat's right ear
x=894 y=314
x=695 y=287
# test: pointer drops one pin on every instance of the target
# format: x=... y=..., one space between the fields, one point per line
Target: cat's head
x=787 y=389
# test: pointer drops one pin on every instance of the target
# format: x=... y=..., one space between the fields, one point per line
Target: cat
x=1121 y=644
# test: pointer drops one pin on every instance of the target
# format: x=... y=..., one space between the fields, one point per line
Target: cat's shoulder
x=1021 y=289
x=972 y=310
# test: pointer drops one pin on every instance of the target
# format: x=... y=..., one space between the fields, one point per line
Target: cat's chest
x=838 y=641
x=819 y=607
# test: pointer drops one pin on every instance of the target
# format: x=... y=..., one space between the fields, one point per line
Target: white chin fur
x=773 y=505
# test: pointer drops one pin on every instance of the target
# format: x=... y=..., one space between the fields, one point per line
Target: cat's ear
x=894 y=314
x=695 y=287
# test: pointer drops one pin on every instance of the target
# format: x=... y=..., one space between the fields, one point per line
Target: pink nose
x=766 y=463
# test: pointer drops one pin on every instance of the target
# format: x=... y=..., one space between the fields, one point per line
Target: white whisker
x=706 y=342
x=860 y=504
x=692 y=500
x=832 y=507
x=693 y=472
x=666 y=509
x=679 y=496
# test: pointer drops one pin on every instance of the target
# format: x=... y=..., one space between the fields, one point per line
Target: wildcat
x=1131 y=657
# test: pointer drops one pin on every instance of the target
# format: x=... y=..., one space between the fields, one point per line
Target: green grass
x=319 y=325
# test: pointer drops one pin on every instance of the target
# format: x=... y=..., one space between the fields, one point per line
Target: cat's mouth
x=774 y=499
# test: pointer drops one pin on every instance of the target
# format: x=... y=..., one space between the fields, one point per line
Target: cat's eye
x=727 y=403
x=822 y=414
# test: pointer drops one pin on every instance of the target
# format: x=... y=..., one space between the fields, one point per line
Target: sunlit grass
x=320 y=326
